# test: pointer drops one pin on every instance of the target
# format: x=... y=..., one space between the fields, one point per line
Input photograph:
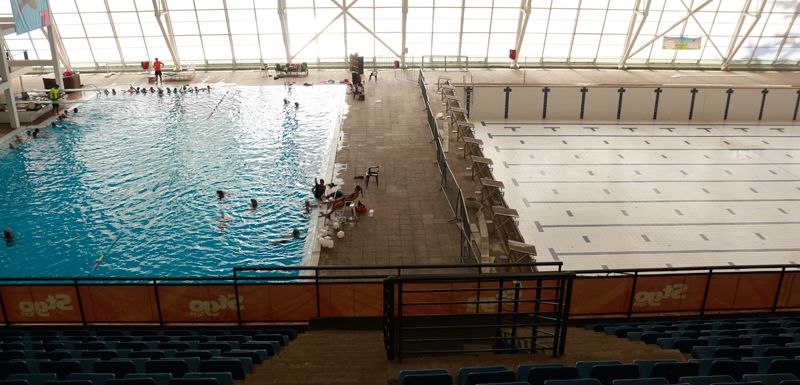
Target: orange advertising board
x=119 y=303
x=600 y=295
x=198 y=303
x=278 y=302
x=41 y=304
x=742 y=291
x=669 y=293
x=790 y=291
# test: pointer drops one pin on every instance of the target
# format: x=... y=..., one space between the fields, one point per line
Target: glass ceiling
x=101 y=33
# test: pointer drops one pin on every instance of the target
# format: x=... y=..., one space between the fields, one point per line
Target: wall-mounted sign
x=680 y=42
x=30 y=15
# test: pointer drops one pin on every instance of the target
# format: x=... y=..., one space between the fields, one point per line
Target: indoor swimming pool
x=134 y=178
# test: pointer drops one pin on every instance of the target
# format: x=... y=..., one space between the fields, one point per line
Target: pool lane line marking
x=218 y=103
x=541 y=227
x=103 y=255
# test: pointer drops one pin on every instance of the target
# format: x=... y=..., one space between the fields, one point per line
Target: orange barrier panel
x=198 y=303
x=351 y=300
x=742 y=291
x=119 y=303
x=669 y=293
x=790 y=291
x=278 y=302
x=598 y=296
x=46 y=304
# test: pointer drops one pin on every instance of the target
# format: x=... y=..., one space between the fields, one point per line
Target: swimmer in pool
x=75 y=110
x=8 y=235
x=132 y=90
x=253 y=204
x=113 y=91
x=11 y=146
x=222 y=222
x=296 y=105
x=220 y=195
x=295 y=235
x=18 y=138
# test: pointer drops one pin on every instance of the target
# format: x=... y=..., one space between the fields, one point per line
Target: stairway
x=329 y=357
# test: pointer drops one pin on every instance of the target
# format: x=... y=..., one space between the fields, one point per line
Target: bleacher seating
x=757 y=351
x=136 y=357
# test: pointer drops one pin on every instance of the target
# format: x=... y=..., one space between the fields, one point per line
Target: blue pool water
x=143 y=170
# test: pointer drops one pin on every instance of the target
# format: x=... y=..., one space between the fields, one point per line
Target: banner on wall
x=30 y=15
x=681 y=42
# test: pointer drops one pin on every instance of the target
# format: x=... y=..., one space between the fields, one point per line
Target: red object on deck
x=145 y=65
x=512 y=54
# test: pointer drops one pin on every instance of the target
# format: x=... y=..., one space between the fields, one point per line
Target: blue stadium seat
x=119 y=368
x=645 y=366
x=672 y=371
x=174 y=345
x=585 y=367
x=789 y=353
x=13 y=367
x=177 y=368
x=232 y=366
x=8 y=355
x=118 y=338
x=705 y=380
x=178 y=333
x=108 y=333
x=153 y=355
x=158 y=378
x=14 y=382
x=651 y=337
x=421 y=377
x=769 y=379
x=86 y=338
x=223 y=378
x=54 y=355
x=256 y=356
x=193 y=381
x=70 y=382
x=705 y=351
x=784 y=366
x=34 y=378
x=48 y=346
x=100 y=354
x=524 y=369
x=686 y=346
x=212 y=332
x=131 y=381
x=501 y=376
x=732 y=353
x=608 y=373
x=735 y=369
x=281 y=339
x=133 y=345
x=758 y=350
x=221 y=346
x=12 y=346
x=538 y=376
x=705 y=364
x=734 y=341
x=576 y=381
x=195 y=338
x=237 y=338
x=291 y=333
x=61 y=368
x=201 y=354
x=75 y=333
x=643 y=381
x=156 y=338
x=272 y=347
x=95 y=345
x=95 y=378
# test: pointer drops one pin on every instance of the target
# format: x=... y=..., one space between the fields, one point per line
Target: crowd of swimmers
x=37 y=133
x=224 y=220
x=186 y=89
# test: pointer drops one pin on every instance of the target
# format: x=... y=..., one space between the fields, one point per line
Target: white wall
x=526 y=104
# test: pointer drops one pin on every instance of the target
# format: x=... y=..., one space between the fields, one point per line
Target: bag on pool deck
x=361 y=208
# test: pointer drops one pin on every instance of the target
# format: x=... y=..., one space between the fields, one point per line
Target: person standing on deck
x=157 y=67
x=53 y=95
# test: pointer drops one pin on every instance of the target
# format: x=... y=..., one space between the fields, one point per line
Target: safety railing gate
x=456 y=314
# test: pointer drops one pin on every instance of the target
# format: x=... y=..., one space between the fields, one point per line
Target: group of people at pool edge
x=37 y=133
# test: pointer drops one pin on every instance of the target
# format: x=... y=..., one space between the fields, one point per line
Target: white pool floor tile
x=623 y=196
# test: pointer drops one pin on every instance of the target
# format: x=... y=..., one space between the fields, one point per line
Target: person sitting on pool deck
x=347 y=200
x=53 y=95
x=319 y=188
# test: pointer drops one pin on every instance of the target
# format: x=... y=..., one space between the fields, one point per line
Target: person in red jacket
x=157 y=67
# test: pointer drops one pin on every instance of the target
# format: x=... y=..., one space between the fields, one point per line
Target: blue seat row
x=640 y=372
x=148 y=339
x=291 y=333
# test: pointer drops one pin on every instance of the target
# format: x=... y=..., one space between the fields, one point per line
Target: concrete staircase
x=330 y=357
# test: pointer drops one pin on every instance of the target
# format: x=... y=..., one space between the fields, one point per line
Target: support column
x=51 y=38
x=285 y=29
x=8 y=90
x=403 y=48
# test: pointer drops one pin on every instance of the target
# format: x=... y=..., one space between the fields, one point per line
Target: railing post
x=80 y=302
x=158 y=303
x=400 y=322
x=316 y=285
x=498 y=334
x=705 y=292
x=236 y=294
x=514 y=320
x=778 y=290
x=633 y=293
x=564 y=312
x=537 y=307
x=3 y=307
